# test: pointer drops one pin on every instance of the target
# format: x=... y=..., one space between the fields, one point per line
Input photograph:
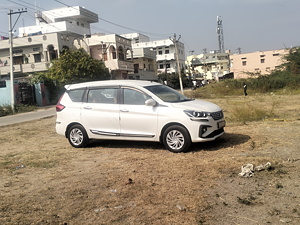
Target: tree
x=292 y=64
x=173 y=79
x=77 y=66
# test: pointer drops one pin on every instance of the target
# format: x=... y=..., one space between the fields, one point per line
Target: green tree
x=292 y=64
x=77 y=66
x=173 y=80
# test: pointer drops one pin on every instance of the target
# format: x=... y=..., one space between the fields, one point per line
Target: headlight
x=196 y=114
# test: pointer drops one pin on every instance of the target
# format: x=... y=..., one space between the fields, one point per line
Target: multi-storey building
x=34 y=53
x=144 y=60
x=37 y=45
x=74 y=20
x=113 y=50
x=163 y=49
x=256 y=63
x=209 y=66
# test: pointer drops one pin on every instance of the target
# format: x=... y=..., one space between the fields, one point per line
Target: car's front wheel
x=77 y=136
x=176 y=139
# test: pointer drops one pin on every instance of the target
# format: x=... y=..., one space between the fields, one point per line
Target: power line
x=88 y=15
x=118 y=25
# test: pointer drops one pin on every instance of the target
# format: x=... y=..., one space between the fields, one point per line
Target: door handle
x=87 y=107
x=124 y=110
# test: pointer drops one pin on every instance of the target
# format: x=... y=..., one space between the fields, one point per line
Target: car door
x=137 y=119
x=100 y=112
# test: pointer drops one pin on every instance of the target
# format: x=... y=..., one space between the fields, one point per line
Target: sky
x=251 y=25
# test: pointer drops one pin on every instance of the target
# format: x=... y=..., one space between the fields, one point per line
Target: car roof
x=133 y=83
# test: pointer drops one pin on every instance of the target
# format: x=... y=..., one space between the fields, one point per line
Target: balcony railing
x=25 y=68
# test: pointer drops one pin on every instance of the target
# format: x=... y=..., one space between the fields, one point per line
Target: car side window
x=134 y=97
x=103 y=95
x=76 y=95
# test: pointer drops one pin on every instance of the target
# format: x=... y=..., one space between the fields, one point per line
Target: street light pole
x=12 y=91
x=175 y=41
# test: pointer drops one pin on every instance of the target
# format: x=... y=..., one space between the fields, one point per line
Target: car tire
x=176 y=139
x=77 y=136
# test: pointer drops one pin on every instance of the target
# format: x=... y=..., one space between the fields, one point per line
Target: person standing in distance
x=245 y=88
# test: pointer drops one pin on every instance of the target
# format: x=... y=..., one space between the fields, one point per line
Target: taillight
x=59 y=107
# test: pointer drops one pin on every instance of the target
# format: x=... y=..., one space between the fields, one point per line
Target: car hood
x=199 y=105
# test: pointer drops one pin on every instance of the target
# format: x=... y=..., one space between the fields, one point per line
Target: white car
x=136 y=111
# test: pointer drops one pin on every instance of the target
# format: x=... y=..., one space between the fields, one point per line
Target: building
x=256 y=63
x=144 y=59
x=66 y=20
x=37 y=45
x=34 y=53
x=208 y=66
x=164 y=51
x=114 y=51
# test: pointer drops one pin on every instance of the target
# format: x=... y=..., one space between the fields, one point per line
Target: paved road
x=29 y=116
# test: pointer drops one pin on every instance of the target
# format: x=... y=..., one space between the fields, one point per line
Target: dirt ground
x=46 y=181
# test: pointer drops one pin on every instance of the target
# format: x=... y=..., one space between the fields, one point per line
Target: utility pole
x=175 y=41
x=10 y=31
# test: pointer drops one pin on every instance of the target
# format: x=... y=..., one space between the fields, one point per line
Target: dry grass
x=46 y=181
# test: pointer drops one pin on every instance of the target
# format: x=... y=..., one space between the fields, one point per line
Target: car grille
x=217 y=115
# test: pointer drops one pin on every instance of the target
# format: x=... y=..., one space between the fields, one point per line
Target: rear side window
x=76 y=95
x=134 y=97
x=103 y=95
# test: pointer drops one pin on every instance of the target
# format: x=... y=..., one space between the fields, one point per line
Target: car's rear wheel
x=77 y=136
x=176 y=139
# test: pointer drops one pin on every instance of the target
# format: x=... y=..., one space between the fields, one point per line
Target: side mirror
x=150 y=102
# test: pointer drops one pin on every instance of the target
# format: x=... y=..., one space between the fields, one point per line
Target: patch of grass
x=5 y=110
x=8 y=161
x=24 y=108
x=246 y=201
x=19 y=108
x=14 y=161
x=47 y=164
x=247 y=113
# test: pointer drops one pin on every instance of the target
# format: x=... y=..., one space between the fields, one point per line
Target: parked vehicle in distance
x=137 y=111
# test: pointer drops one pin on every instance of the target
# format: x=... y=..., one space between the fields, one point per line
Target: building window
x=136 y=68
x=37 y=58
x=262 y=60
x=161 y=66
x=17 y=60
x=160 y=52
x=167 y=51
x=244 y=63
x=36 y=49
x=276 y=54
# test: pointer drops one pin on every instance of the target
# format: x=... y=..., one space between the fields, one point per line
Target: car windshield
x=167 y=94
